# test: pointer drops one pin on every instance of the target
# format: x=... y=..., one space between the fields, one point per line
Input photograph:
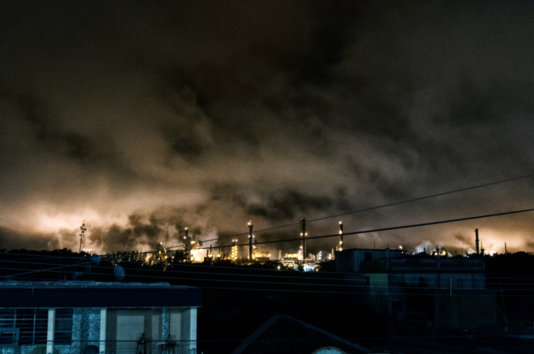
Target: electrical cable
x=388 y=228
x=376 y=207
x=170 y=277
x=48 y=269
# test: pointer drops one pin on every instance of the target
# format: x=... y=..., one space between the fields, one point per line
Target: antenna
x=83 y=228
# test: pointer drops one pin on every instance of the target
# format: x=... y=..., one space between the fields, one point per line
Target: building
x=449 y=292
x=352 y=260
x=434 y=272
x=93 y=317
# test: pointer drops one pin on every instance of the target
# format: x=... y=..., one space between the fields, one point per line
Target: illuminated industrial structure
x=192 y=248
x=160 y=257
x=196 y=251
x=303 y=235
x=292 y=256
x=261 y=256
x=250 y=240
x=209 y=255
x=234 y=250
x=187 y=243
x=340 y=232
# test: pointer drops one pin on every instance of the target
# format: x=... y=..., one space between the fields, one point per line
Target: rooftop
x=96 y=294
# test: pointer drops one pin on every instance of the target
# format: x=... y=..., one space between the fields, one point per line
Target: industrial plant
x=430 y=293
x=249 y=253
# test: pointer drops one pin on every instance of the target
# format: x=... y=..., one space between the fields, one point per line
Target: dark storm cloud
x=145 y=231
x=132 y=113
x=288 y=205
x=35 y=114
x=11 y=239
x=464 y=240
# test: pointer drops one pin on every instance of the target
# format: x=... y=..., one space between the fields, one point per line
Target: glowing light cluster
x=234 y=250
x=259 y=255
x=291 y=256
x=196 y=255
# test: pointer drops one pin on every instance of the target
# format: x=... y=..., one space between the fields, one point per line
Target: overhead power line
x=398 y=227
x=376 y=207
x=44 y=270
x=465 y=189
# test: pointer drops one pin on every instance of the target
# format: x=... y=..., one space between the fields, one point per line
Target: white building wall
x=118 y=331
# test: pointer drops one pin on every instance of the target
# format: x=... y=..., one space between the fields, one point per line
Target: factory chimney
x=477 y=242
x=303 y=235
x=187 y=243
x=250 y=240
x=340 y=231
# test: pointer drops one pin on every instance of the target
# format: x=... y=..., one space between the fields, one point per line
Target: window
x=23 y=326
x=33 y=326
x=8 y=332
x=63 y=326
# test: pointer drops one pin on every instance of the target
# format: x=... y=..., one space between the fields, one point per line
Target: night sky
x=144 y=117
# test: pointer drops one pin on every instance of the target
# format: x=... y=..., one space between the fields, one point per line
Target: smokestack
x=340 y=231
x=187 y=244
x=250 y=240
x=476 y=241
x=303 y=235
